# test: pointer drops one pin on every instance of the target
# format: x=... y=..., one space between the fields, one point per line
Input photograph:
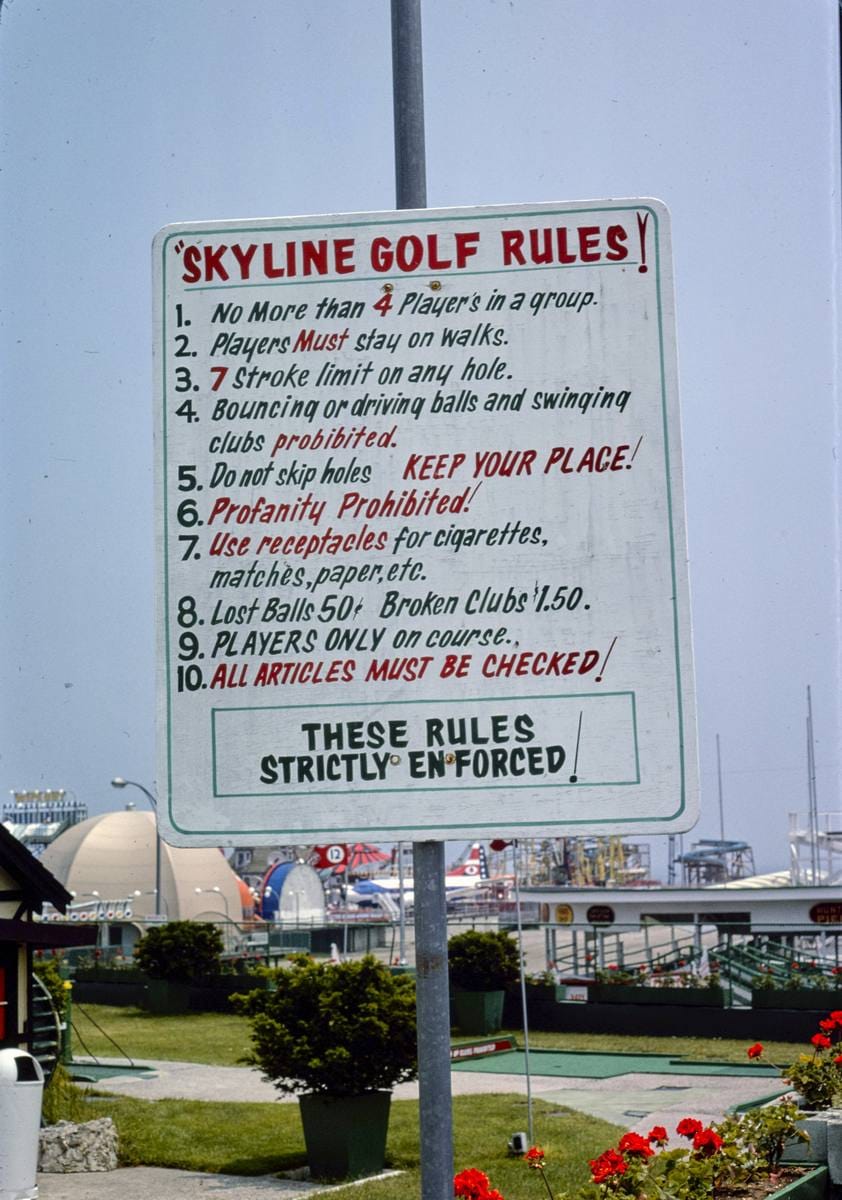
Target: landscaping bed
x=660 y=1020
x=792 y=1184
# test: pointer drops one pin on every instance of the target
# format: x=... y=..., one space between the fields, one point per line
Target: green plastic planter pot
x=542 y=992
x=345 y=1136
x=167 y=996
x=815 y=1185
x=801 y=999
x=477 y=1012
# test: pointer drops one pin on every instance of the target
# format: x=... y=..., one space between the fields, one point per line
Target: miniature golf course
x=584 y=1064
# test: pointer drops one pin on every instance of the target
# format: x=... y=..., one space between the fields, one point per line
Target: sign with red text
x=420 y=532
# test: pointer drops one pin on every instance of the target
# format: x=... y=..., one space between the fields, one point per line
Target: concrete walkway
x=635 y=1101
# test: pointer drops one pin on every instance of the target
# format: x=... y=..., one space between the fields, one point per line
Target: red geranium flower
x=535 y=1157
x=755 y=1051
x=837 y=1016
x=828 y=1024
x=688 y=1127
x=658 y=1135
x=470 y=1183
x=820 y=1041
x=609 y=1163
x=707 y=1142
x=838 y=1060
x=633 y=1143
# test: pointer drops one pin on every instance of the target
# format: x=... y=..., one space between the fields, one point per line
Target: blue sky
x=120 y=118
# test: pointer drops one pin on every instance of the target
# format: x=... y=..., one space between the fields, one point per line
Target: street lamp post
x=229 y=937
x=216 y=891
x=137 y=893
x=119 y=782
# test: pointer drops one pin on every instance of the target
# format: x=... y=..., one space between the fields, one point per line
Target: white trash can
x=21 y=1092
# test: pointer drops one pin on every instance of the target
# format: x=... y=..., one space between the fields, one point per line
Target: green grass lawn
x=265 y=1138
x=262 y=1139
x=219 y=1039
x=222 y=1040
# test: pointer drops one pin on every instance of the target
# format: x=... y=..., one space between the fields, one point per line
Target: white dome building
x=110 y=860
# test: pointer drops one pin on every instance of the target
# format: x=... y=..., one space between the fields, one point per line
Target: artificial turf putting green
x=594 y=1065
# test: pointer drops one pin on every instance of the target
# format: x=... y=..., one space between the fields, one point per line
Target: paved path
x=635 y=1101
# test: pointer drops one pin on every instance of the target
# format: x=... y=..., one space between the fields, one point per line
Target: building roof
x=112 y=857
x=36 y=883
x=44 y=934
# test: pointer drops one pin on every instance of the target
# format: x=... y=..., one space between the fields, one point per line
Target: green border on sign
x=425 y=218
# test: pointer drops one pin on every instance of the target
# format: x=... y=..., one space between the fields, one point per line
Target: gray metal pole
x=119 y=782
x=521 y=956
x=433 y=1009
x=813 y=794
x=433 y=1000
x=401 y=909
x=408 y=97
x=721 y=802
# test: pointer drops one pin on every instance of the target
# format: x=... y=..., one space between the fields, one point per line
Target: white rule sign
x=420 y=527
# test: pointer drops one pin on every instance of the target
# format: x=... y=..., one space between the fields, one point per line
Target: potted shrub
x=341 y=1035
x=480 y=965
x=176 y=956
x=544 y=988
x=799 y=989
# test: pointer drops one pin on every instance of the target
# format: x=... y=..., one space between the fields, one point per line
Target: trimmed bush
x=482 y=962
x=340 y=1029
x=181 y=952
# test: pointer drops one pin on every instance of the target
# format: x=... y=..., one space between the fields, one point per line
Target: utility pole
x=433 y=1000
x=721 y=804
